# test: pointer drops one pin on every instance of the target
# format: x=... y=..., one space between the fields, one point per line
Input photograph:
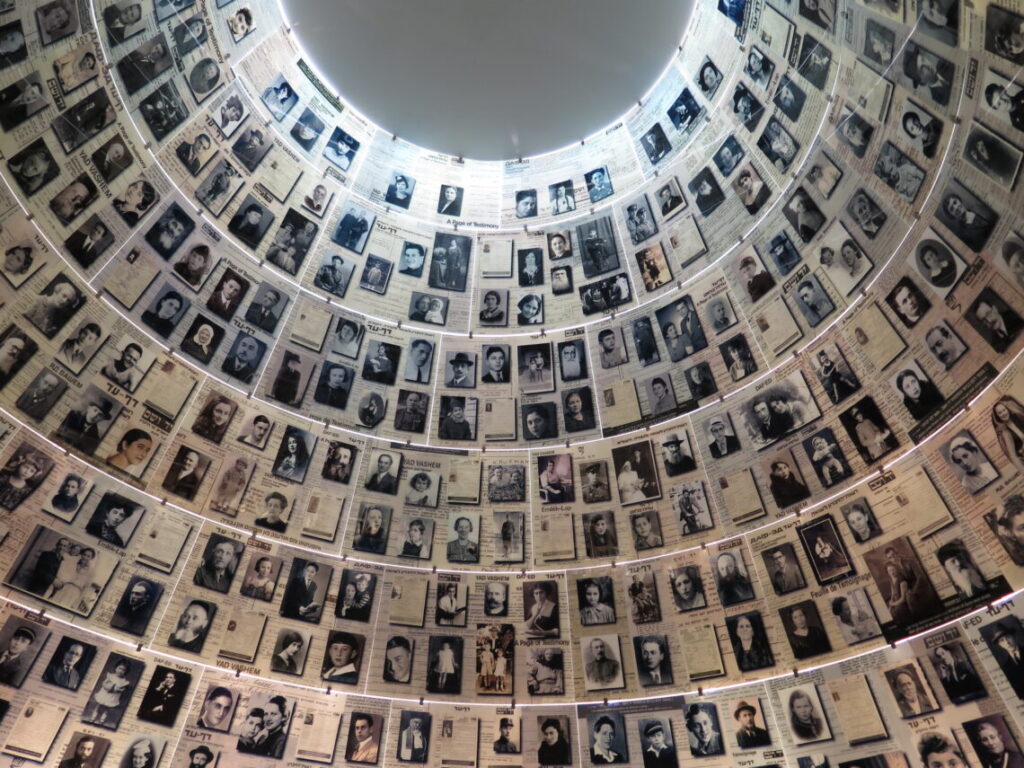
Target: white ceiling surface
x=490 y=79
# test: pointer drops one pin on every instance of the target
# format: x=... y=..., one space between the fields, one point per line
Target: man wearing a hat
x=14 y=662
x=504 y=745
x=676 y=461
x=749 y=735
x=1006 y=648
x=81 y=426
x=200 y=757
x=453 y=424
x=658 y=754
x=460 y=376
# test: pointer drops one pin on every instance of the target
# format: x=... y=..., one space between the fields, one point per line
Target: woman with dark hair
x=708 y=78
x=133 y=449
x=593 y=610
x=284 y=660
x=492 y=311
x=805 y=723
x=806 y=639
x=293 y=458
x=213 y=420
x=161 y=319
x=1008 y=423
x=530 y=310
x=750 y=644
x=688 y=589
x=919 y=395
x=66 y=499
x=554 y=748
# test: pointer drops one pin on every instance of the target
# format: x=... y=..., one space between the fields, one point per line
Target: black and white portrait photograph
x=785 y=478
x=602 y=662
x=115 y=519
x=994 y=319
x=806 y=715
x=970 y=464
x=789 y=98
x=812 y=300
x=855 y=132
x=22 y=642
x=910 y=689
x=112 y=691
x=192 y=626
x=279 y=97
x=908 y=302
x=400 y=189
x=919 y=394
x=655 y=144
x=956 y=673
x=844 y=261
x=751 y=189
x=759 y=67
x=778 y=145
x=779 y=409
x=669 y=199
x=164 y=696
x=449 y=262
x=356 y=596
x=685 y=112
x=27 y=97
x=903 y=582
x=706 y=192
x=596 y=242
x=136 y=605
x=1003 y=34
x=926 y=74
x=708 y=78
x=526 y=203
x=636 y=473
x=269 y=714
x=750 y=645
x=69 y=663
x=939 y=266
x=372 y=525
x=640 y=221
x=654 y=267
x=825 y=549
x=599 y=184
x=449 y=202
x=899 y=172
x=783 y=567
x=966 y=215
x=805 y=630
x=803 y=215
x=731 y=579
x=919 y=129
x=866 y=213
x=827 y=457
x=89 y=420
x=781 y=248
x=868 y=430
x=341 y=149
x=747 y=108
x=306 y=591
x=202 y=339
x=605 y=294
x=413 y=258
x=690 y=505
x=704 y=730
x=145 y=63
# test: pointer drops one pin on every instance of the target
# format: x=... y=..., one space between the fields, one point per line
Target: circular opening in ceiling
x=489 y=79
